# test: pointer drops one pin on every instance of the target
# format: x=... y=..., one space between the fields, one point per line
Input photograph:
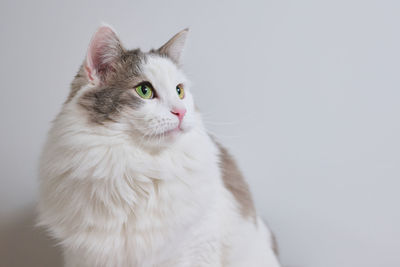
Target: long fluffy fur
x=113 y=202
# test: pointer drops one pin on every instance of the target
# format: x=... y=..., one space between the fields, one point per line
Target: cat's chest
x=170 y=214
x=175 y=201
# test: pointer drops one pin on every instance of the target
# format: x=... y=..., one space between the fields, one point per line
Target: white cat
x=130 y=177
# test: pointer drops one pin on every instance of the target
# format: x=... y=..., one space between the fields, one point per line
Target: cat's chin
x=173 y=132
x=164 y=139
x=170 y=135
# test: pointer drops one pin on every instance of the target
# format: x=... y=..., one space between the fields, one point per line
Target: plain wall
x=304 y=93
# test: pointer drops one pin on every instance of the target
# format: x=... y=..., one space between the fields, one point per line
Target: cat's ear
x=174 y=47
x=104 y=50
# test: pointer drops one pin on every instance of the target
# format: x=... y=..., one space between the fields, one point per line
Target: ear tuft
x=174 y=47
x=104 y=49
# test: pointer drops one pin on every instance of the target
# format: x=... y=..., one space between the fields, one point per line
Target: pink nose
x=179 y=112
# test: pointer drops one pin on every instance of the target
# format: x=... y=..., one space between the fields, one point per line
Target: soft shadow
x=23 y=244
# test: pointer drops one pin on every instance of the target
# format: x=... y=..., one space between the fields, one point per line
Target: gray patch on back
x=274 y=244
x=235 y=183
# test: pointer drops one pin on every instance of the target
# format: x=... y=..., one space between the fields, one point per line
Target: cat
x=130 y=177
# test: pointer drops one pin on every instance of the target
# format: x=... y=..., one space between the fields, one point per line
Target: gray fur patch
x=115 y=92
x=104 y=104
x=235 y=183
x=79 y=81
x=274 y=244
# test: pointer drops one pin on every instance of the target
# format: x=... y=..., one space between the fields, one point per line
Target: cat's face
x=143 y=95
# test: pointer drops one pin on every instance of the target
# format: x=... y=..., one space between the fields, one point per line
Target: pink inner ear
x=89 y=73
x=103 y=50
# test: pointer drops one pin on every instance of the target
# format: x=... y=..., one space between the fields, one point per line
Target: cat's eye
x=145 y=91
x=180 y=91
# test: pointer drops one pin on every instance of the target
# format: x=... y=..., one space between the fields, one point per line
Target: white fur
x=113 y=198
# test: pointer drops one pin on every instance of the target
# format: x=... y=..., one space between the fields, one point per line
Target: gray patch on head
x=127 y=70
x=116 y=92
x=235 y=183
x=104 y=104
x=79 y=81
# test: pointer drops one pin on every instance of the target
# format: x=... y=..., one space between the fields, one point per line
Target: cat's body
x=117 y=191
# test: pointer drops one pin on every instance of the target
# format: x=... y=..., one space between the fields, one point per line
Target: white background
x=304 y=93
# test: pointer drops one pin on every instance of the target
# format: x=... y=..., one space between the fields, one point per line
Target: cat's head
x=144 y=95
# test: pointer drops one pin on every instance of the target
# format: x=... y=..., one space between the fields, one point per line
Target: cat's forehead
x=161 y=70
x=136 y=66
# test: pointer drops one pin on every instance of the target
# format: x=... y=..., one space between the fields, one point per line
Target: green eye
x=145 y=91
x=180 y=91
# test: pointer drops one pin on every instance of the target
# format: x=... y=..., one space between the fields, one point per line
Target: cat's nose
x=179 y=112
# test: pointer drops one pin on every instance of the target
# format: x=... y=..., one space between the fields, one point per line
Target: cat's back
x=250 y=242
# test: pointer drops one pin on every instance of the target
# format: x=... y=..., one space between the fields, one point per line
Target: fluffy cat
x=130 y=177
